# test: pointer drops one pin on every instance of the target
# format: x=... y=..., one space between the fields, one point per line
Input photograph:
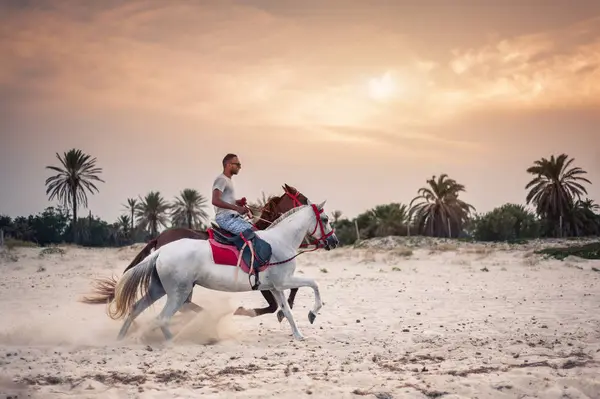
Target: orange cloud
x=236 y=65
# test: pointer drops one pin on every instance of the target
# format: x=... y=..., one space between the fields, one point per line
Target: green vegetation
x=586 y=251
x=556 y=194
x=510 y=222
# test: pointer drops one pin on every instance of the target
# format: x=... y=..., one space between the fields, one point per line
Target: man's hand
x=242 y=210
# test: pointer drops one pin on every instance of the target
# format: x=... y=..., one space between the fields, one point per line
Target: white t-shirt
x=225 y=185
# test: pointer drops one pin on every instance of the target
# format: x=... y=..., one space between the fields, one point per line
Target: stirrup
x=256 y=279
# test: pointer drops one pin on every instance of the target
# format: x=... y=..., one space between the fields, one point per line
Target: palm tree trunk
x=132 y=209
x=189 y=219
x=74 y=216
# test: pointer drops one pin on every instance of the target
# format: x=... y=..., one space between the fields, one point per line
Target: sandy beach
x=402 y=319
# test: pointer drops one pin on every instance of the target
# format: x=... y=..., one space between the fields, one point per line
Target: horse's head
x=291 y=198
x=322 y=231
x=277 y=206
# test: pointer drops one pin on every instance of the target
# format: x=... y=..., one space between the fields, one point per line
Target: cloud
x=549 y=69
x=234 y=65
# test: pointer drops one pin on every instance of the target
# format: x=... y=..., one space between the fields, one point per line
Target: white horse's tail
x=134 y=279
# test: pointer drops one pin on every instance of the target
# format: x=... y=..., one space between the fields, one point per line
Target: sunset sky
x=351 y=101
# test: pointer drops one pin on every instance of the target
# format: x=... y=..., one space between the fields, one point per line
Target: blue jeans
x=233 y=223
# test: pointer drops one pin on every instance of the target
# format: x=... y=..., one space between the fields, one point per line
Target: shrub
x=586 y=251
x=510 y=222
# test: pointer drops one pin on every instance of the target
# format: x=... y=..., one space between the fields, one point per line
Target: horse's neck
x=288 y=234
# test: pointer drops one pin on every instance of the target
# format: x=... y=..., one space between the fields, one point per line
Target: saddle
x=262 y=249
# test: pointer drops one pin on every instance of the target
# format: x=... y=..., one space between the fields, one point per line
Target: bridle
x=321 y=240
x=318 y=243
x=324 y=236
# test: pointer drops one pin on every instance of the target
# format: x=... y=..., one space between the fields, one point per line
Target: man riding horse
x=229 y=210
x=229 y=214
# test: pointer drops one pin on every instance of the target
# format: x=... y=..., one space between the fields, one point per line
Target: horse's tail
x=104 y=288
x=125 y=292
x=143 y=253
x=103 y=291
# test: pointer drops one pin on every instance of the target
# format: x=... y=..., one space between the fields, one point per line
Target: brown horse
x=105 y=288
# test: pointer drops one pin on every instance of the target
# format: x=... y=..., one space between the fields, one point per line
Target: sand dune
x=402 y=319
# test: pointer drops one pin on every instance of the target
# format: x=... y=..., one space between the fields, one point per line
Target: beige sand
x=425 y=321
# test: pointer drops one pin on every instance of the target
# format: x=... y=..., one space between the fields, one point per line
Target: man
x=229 y=211
x=229 y=216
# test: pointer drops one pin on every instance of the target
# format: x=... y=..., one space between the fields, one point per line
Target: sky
x=351 y=102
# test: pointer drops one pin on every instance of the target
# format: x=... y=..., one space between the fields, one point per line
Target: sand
x=418 y=319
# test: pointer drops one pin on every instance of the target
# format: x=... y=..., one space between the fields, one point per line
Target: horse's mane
x=285 y=215
x=271 y=202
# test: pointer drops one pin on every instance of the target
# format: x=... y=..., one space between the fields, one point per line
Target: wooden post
x=357 y=231
x=1 y=237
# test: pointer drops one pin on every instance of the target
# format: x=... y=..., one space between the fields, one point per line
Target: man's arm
x=217 y=201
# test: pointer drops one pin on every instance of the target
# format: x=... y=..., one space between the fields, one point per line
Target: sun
x=382 y=87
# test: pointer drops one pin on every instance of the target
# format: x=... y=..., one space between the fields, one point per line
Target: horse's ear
x=321 y=205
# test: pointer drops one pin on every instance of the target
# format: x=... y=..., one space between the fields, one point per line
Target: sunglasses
x=239 y=165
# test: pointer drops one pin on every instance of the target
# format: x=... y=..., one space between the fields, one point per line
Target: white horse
x=175 y=268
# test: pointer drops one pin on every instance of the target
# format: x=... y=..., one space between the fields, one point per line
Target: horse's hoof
x=311 y=316
x=280 y=315
x=241 y=311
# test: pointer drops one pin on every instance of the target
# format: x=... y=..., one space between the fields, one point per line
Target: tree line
x=557 y=194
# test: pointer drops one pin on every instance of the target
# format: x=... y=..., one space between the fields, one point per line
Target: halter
x=294 y=197
x=322 y=239
x=319 y=224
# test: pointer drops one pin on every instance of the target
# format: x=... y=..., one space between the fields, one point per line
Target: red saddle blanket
x=227 y=255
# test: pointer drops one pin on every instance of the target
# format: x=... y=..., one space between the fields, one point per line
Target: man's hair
x=228 y=158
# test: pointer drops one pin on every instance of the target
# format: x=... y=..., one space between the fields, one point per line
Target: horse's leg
x=280 y=296
x=155 y=292
x=175 y=300
x=291 y=298
x=259 y=311
x=188 y=305
x=268 y=295
x=297 y=282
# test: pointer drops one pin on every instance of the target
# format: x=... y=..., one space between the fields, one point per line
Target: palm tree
x=188 y=209
x=77 y=174
x=152 y=212
x=588 y=204
x=390 y=219
x=440 y=212
x=336 y=215
x=131 y=207
x=123 y=224
x=582 y=219
x=555 y=187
